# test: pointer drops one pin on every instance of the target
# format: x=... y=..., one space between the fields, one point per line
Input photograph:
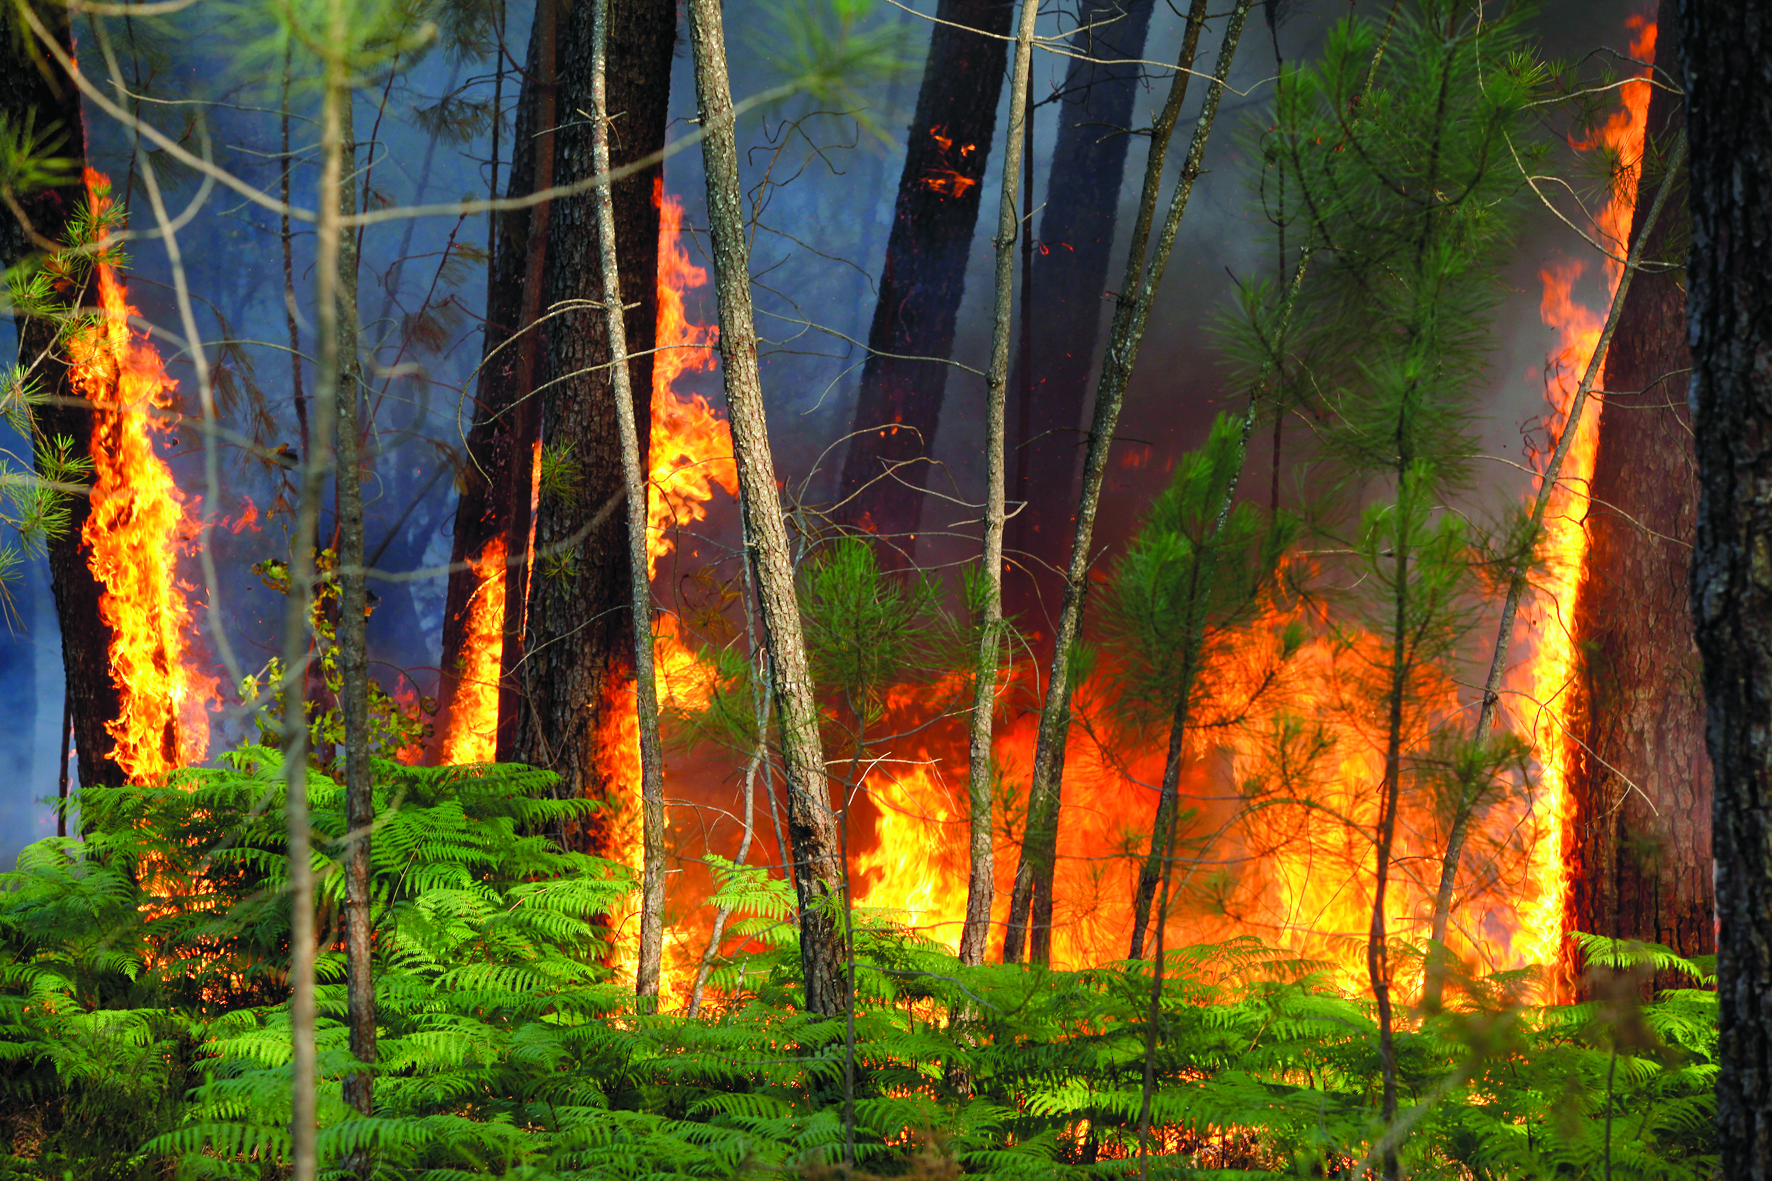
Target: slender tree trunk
x=1155 y=868
x=577 y=663
x=1070 y=273
x=1030 y=906
x=818 y=870
x=31 y=83
x=353 y=659
x=905 y=373
x=328 y=246
x=1726 y=49
x=990 y=636
x=1639 y=778
x=633 y=463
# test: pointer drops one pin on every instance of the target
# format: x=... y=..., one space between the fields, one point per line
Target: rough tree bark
x=482 y=513
x=924 y=277
x=818 y=870
x=1726 y=51
x=576 y=664
x=33 y=86
x=1640 y=780
x=1069 y=276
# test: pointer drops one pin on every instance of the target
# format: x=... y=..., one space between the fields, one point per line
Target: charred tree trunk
x=33 y=87
x=576 y=664
x=1640 y=782
x=1726 y=49
x=899 y=403
x=483 y=511
x=1069 y=277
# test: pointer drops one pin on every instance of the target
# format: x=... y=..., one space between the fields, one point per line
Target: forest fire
x=138 y=525
x=1544 y=682
x=472 y=735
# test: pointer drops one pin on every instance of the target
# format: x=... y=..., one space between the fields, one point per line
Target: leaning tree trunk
x=32 y=85
x=1640 y=781
x=1726 y=49
x=818 y=869
x=576 y=666
x=924 y=277
x=1068 y=281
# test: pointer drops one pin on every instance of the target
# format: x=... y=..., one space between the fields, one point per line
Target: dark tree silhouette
x=1726 y=50
x=899 y=403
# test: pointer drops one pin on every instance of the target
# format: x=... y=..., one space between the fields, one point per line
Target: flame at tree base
x=135 y=529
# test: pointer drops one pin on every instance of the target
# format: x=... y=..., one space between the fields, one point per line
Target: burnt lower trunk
x=482 y=511
x=1640 y=781
x=33 y=87
x=1726 y=49
x=924 y=277
x=576 y=664
x=1069 y=279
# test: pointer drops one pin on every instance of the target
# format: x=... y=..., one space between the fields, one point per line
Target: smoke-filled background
x=825 y=191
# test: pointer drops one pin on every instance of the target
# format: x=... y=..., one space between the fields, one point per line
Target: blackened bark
x=1070 y=272
x=1726 y=49
x=1640 y=782
x=579 y=629
x=33 y=86
x=924 y=278
x=482 y=511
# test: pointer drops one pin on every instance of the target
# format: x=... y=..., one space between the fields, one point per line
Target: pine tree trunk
x=1726 y=49
x=31 y=83
x=353 y=664
x=818 y=870
x=1640 y=780
x=482 y=514
x=1070 y=274
x=577 y=663
x=633 y=463
x=924 y=278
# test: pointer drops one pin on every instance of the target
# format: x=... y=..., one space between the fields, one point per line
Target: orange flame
x=136 y=527
x=1545 y=679
x=472 y=736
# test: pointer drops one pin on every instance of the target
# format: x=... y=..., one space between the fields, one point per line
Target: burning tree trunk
x=474 y=607
x=818 y=870
x=924 y=276
x=1068 y=276
x=1639 y=780
x=575 y=666
x=34 y=88
x=1725 y=48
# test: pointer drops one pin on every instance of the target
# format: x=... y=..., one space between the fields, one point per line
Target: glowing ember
x=473 y=716
x=137 y=526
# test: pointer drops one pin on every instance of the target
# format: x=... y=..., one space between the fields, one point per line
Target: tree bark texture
x=1069 y=278
x=818 y=869
x=1640 y=783
x=1726 y=50
x=576 y=662
x=482 y=511
x=924 y=277
x=33 y=85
